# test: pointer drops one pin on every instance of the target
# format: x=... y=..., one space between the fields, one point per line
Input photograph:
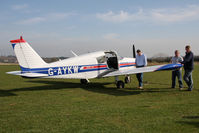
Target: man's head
x=139 y=52
x=177 y=53
x=188 y=48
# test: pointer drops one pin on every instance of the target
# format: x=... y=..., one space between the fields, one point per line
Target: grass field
x=52 y=105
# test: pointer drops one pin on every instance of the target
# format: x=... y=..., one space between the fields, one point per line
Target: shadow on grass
x=93 y=87
x=191 y=117
x=4 y=93
x=155 y=83
x=192 y=123
x=190 y=120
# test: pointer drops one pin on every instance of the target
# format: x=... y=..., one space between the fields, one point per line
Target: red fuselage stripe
x=104 y=66
x=126 y=64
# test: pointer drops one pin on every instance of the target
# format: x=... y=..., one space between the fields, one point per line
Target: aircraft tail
x=26 y=56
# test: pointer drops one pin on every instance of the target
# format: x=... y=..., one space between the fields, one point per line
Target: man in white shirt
x=177 y=73
x=141 y=61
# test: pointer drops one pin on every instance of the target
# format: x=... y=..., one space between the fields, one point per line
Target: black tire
x=120 y=84
x=127 y=79
x=84 y=81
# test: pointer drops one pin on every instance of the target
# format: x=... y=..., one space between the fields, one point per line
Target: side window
x=101 y=59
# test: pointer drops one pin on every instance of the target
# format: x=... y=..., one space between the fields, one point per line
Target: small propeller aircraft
x=84 y=67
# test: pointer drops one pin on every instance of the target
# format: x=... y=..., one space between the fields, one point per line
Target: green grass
x=61 y=105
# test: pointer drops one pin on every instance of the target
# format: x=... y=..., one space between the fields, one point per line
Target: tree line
x=166 y=59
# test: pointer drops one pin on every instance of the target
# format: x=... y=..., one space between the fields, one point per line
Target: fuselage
x=86 y=66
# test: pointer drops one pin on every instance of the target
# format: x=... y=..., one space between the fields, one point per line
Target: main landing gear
x=84 y=81
x=120 y=84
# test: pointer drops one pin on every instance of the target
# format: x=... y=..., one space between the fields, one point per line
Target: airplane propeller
x=134 y=54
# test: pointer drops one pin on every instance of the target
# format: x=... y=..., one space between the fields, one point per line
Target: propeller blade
x=134 y=54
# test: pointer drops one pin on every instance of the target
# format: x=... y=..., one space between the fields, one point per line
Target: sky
x=54 y=28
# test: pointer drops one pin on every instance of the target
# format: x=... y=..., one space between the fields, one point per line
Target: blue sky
x=53 y=28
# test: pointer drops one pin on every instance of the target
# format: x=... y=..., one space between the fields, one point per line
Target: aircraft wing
x=28 y=75
x=144 y=69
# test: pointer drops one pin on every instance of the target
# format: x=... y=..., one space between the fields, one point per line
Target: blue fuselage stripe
x=53 y=71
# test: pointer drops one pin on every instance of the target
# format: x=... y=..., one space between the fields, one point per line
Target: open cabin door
x=111 y=60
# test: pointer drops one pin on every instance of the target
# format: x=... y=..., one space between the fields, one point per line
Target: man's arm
x=181 y=59
x=187 y=59
x=171 y=60
x=136 y=60
x=145 y=60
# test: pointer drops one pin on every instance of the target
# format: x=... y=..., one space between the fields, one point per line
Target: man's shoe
x=180 y=89
x=141 y=88
x=189 y=89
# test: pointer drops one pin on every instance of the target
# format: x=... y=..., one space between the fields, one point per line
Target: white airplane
x=84 y=67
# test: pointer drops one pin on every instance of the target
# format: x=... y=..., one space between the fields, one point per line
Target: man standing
x=188 y=67
x=141 y=61
x=177 y=73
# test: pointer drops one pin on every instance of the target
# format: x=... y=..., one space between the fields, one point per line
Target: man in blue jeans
x=177 y=73
x=141 y=61
x=188 y=67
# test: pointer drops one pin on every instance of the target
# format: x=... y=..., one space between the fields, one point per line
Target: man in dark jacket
x=188 y=67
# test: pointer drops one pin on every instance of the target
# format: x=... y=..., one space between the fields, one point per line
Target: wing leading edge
x=144 y=69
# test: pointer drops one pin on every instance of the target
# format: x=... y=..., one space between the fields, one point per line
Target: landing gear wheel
x=84 y=81
x=120 y=84
x=127 y=79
